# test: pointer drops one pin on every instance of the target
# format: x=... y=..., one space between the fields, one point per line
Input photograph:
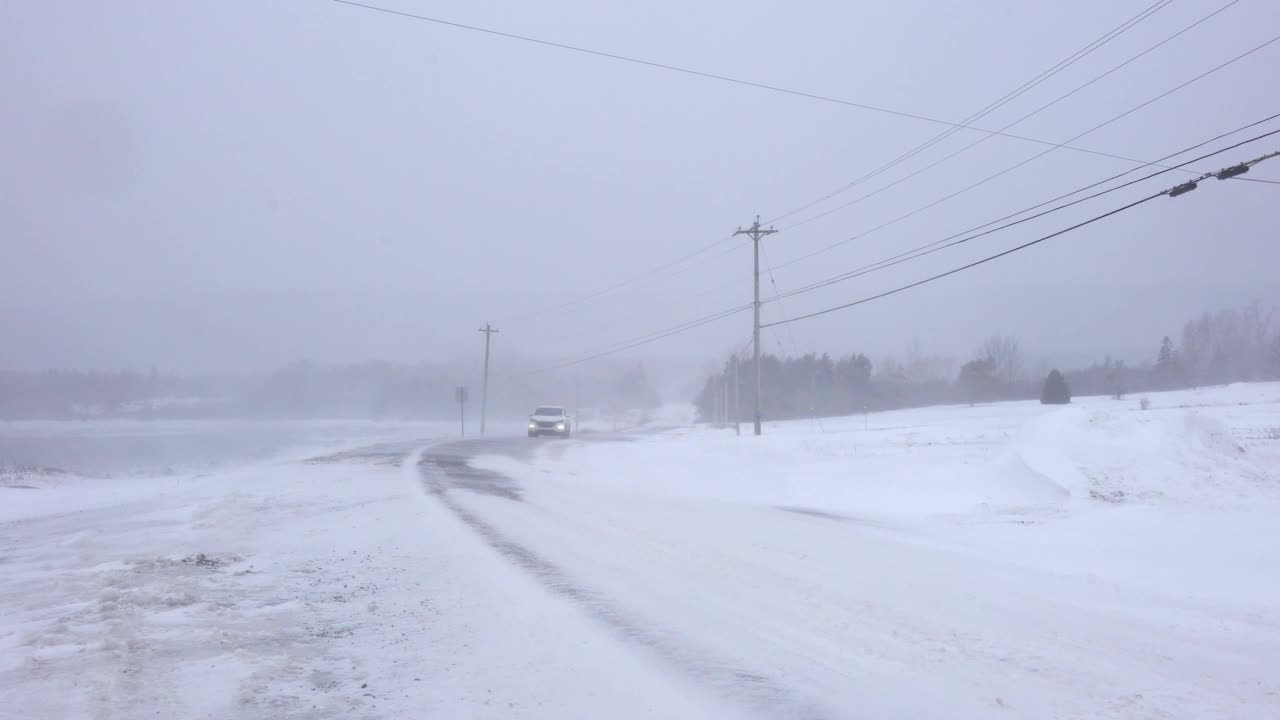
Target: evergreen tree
x=1055 y=390
x=633 y=390
x=1167 y=360
x=1275 y=355
x=1117 y=380
x=978 y=378
x=1168 y=368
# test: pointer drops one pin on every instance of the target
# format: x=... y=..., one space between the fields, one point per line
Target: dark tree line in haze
x=308 y=390
x=1229 y=346
x=297 y=390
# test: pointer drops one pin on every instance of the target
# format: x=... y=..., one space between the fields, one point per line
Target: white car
x=550 y=420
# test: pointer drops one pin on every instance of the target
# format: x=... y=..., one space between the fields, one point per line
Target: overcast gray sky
x=236 y=184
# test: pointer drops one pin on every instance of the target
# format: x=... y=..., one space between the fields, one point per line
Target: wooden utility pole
x=484 y=392
x=756 y=232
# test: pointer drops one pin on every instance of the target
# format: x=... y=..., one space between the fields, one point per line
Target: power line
x=1021 y=119
x=729 y=312
x=688 y=300
x=795 y=347
x=857 y=272
x=1190 y=185
x=1115 y=32
x=1015 y=166
x=645 y=339
x=777 y=295
x=659 y=269
x=1079 y=54
x=724 y=78
x=664 y=332
x=621 y=284
x=965 y=267
x=693 y=324
x=991 y=107
x=942 y=244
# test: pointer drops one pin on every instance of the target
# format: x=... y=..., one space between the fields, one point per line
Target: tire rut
x=447 y=468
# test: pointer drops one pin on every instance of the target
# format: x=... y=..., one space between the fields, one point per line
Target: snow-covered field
x=1007 y=560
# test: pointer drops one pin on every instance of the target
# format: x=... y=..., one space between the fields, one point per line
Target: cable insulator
x=1233 y=171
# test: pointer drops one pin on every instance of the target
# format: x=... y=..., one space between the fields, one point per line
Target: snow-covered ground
x=591 y=420
x=1098 y=560
x=1101 y=486
x=1007 y=560
x=329 y=586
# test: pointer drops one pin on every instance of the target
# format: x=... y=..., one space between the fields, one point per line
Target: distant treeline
x=1229 y=346
x=307 y=390
x=296 y=390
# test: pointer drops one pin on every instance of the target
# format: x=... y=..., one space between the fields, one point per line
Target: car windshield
x=549 y=411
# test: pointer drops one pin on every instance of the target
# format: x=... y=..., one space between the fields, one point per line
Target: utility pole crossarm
x=756 y=232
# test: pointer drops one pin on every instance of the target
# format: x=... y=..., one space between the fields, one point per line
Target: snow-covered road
x=1102 y=561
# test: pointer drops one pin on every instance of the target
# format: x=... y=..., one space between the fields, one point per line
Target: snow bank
x=1204 y=447
x=1177 y=455
x=592 y=420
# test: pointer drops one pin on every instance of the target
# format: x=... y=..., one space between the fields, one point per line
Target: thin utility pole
x=724 y=400
x=813 y=393
x=719 y=403
x=484 y=392
x=756 y=232
x=737 y=397
x=460 y=394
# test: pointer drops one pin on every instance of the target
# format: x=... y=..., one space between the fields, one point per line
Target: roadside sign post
x=460 y=394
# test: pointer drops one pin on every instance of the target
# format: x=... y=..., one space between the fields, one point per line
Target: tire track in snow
x=447 y=467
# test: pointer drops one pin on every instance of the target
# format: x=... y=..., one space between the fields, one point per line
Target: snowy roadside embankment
x=1179 y=497
x=1209 y=447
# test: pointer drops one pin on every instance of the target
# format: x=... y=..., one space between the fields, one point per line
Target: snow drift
x=1180 y=456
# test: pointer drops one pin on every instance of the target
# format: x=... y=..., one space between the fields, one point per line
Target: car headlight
x=533 y=425
x=559 y=426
